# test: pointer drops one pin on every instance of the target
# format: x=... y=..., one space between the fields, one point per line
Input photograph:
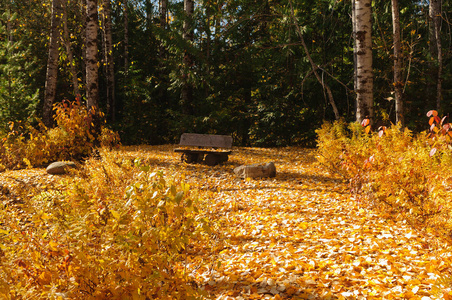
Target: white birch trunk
x=363 y=52
x=92 y=68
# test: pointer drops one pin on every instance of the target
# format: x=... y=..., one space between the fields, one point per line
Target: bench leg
x=212 y=159
x=191 y=157
x=223 y=158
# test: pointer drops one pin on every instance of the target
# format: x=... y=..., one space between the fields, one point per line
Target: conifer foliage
x=18 y=97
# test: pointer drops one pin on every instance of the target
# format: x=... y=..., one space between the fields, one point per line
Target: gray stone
x=256 y=170
x=60 y=167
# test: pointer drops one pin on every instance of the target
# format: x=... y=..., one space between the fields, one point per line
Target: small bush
x=117 y=231
x=73 y=138
x=405 y=174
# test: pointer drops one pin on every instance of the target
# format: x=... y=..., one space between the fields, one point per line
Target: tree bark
x=163 y=11
x=435 y=7
x=126 y=38
x=355 y=51
x=188 y=34
x=398 y=84
x=92 y=69
x=67 y=44
x=108 y=56
x=313 y=65
x=52 y=64
x=363 y=52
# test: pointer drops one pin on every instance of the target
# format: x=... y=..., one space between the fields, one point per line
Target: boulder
x=256 y=170
x=60 y=167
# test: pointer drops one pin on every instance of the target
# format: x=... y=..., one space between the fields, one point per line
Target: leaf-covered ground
x=297 y=236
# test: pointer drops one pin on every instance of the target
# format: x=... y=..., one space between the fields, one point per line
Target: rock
x=256 y=170
x=60 y=167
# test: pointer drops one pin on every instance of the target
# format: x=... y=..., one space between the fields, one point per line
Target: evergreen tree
x=18 y=100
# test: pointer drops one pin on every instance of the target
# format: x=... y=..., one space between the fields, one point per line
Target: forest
x=266 y=72
x=348 y=100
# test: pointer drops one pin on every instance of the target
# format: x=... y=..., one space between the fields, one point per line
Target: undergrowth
x=117 y=230
x=73 y=138
x=406 y=174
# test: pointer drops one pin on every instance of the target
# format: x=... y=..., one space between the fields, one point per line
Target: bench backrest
x=206 y=140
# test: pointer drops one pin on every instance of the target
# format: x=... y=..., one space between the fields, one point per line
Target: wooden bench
x=211 y=156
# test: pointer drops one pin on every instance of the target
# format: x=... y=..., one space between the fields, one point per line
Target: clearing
x=296 y=236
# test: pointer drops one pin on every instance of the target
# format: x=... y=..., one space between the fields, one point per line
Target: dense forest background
x=227 y=67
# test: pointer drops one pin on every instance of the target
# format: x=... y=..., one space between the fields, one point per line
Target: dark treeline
x=249 y=68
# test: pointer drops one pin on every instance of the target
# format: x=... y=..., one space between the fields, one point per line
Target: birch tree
x=363 y=53
x=92 y=70
x=52 y=64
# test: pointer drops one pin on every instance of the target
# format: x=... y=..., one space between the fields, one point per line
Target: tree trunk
x=108 y=56
x=52 y=64
x=355 y=51
x=92 y=70
x=363 y=52
x=314 y=66
x=398 y=84
x=432 y=32
x=188 y=34
x=163 y=7
x=126 y=38
x=67 y=43
x=435 y=7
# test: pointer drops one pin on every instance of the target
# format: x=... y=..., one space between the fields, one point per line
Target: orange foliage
x=72 y=139
x=127 y=226
x=394 y=170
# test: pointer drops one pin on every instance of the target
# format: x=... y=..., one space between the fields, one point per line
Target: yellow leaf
x=115 y=214
x=53 y=246
x=45 y=277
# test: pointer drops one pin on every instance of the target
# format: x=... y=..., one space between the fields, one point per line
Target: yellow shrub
x=118 y=231
x=406 y=175
x=73 y=138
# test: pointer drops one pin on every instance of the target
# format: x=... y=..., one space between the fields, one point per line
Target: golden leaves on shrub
x=139 y=223
x=73 y=138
